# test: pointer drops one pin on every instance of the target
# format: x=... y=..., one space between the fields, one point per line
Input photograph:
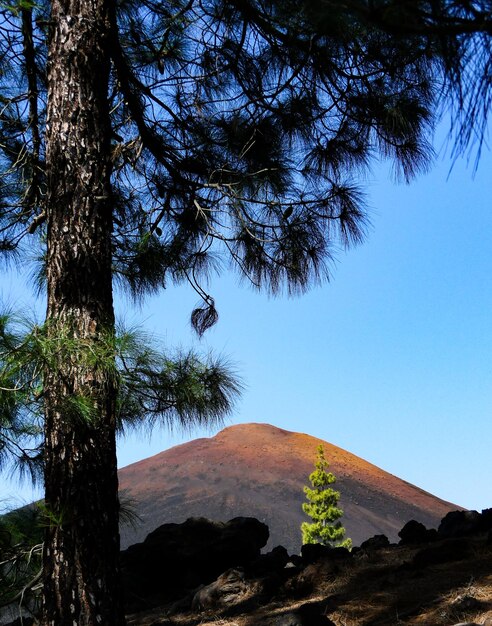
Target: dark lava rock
x=486 y=522
x=339 y=554
x=229 y=588
x=375 y=543
x=414 y=533
x=272 y=561
x=176 y=558
x=460 y=524
x=312 y=552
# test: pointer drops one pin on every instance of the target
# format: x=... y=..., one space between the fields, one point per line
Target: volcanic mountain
x=259 y=470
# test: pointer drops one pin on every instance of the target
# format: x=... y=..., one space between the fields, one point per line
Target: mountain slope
x=259 y=470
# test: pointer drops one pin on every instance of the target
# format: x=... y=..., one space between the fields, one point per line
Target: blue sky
x=392 y=360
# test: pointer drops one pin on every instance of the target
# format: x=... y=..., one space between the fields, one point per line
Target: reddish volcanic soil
x=259 y=470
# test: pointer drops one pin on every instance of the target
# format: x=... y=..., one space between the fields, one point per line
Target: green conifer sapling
x=322 y=508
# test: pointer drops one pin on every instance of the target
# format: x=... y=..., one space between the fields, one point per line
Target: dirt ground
x=389 y=586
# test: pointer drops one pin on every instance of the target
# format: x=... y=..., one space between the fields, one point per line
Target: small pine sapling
x=322 y=507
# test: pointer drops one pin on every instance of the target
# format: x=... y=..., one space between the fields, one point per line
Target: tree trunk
x=80 y=570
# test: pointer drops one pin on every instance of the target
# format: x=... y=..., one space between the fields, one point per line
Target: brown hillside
x=259 y=470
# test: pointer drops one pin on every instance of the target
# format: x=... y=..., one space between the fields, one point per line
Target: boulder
x=312 y=552
x=414 y=533
x=460 y=524
x=375 y=543
x=271 y=562
x=305 y=581
x=229 y=589
x=486 y=523
x=176 y=558
x=339 y=554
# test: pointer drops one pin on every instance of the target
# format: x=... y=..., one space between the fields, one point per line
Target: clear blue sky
x=392 y=360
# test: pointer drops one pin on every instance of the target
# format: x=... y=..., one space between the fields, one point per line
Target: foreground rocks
x=208 y=573
x=431 y=577
x=229 y=588
x=177 y=558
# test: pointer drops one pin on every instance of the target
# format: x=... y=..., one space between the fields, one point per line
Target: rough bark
x=81 y=581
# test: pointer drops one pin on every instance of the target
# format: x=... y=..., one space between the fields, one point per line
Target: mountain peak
x=259 y=470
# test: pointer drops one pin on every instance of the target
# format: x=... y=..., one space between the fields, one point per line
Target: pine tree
x=457 y=35
x=144 y=143
x=322 y=507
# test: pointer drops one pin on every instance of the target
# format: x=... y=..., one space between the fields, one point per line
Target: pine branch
x=132 y=88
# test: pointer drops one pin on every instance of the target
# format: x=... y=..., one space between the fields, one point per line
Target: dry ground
x=377 y=588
